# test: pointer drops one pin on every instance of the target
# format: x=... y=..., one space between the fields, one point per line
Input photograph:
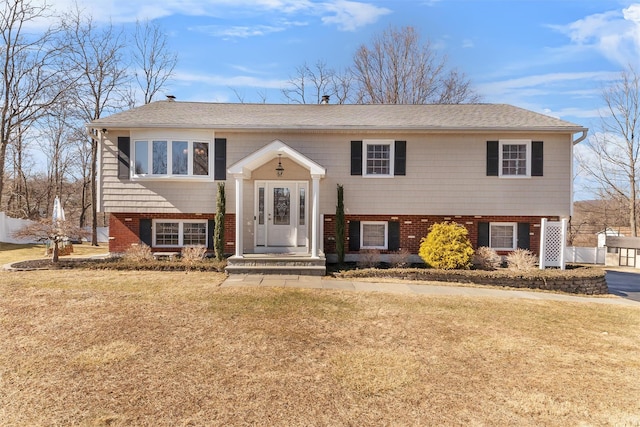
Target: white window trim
x=514 y=243
x=169 y=175
x=180 y=223
x=391 y=144
x=386 y=234
x=526 y=142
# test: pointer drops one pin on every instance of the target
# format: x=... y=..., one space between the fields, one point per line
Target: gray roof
x=458 y=117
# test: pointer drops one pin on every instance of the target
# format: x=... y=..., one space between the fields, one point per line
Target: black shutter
x=537 y=158
x=400 y=158
x=394 y=235
x=211 y=225
x=492 y=158
x=124 y=150
x=220 y=159
x=145 y=232
x=483 y=234
x=523 y=235
x=356 y=157
x=354 y=235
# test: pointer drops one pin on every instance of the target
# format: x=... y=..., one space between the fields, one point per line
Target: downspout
x=97 y=136
x=574 y=142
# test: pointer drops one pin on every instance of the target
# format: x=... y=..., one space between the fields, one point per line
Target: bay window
x=178 y=158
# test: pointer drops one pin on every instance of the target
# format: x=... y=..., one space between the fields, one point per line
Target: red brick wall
x=414 y=227
x=124 y=229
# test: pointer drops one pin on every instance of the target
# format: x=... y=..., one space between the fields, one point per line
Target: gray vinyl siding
x=445 y=175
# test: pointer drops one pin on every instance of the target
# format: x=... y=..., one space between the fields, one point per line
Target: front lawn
x=10 y=252
x=97 y=348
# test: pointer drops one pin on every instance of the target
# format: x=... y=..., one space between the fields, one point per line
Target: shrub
x=447 y=246
x=369 y=258
x=486 y=258
x=138 y=252
x=400 y=259
x=192 y=253
x=521 y=259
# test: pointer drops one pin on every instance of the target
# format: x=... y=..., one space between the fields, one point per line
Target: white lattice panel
x=553 y=243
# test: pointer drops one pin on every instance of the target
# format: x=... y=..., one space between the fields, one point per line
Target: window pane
x=180 y=157
x=281 y=206
x=167 y=234
x=142 y=158
x=194 y=233
x=159 y=157
x=514 y=159
x=261 y=205
x=301 y=220
x=502 y=236
x=200 y=158
x=378 y=159
x=373 y=235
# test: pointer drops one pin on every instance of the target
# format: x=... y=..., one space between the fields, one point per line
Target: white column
x=239 y=216
x=563 y=243
x=315 y=215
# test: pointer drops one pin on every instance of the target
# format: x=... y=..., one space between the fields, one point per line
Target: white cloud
x=184 y=77
x=238 y=31
x=544 y=81
x=613 y=34
x=467 y=43
x=351 y=15
x=347 y=15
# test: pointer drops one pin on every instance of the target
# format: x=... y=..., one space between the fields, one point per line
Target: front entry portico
x=281 y=223
x=286 y=213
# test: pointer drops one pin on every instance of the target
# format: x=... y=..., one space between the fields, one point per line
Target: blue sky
x=550 y=56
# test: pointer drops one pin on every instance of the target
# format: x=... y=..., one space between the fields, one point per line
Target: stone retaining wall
x=586 y=281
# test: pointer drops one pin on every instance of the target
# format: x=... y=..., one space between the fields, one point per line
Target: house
x=603 y=235
x=622 y=248
x=496 y=169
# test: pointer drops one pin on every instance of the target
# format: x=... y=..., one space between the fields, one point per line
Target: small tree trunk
x=218 y=233
x=56 y=251
x=340 y=225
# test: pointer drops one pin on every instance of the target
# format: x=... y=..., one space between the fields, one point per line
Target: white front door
x=281 y=216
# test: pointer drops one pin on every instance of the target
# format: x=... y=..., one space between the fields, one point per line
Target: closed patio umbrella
x=58 y=211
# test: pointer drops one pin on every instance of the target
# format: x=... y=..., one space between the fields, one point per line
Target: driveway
x=624 y=283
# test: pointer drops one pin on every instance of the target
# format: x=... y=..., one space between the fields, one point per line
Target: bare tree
x=311 y=83
x=397 y=69
x=29 y=81
x=612 y=157
x=154 y=61
x=48 y=230
x=96 y=55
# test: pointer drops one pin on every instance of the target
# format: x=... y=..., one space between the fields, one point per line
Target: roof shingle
x=333 y=116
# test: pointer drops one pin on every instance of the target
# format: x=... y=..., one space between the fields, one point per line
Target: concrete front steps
x=289 y=263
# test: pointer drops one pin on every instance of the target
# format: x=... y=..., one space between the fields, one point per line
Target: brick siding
x=414 y=227
x=124 y=229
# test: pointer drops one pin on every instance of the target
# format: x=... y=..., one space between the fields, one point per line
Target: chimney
x=171 y=98
x=325 y=99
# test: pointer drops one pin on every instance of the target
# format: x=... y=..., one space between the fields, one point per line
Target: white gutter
x=582 y=137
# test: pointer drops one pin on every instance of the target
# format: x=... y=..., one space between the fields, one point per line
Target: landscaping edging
x=588 y=281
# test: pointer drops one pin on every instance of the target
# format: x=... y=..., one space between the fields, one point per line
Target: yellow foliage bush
x=447 y=247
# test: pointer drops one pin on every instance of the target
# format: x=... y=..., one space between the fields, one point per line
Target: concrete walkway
x=310 y=282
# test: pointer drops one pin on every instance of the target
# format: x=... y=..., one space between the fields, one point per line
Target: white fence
x=9 y=225
x=581 y=255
